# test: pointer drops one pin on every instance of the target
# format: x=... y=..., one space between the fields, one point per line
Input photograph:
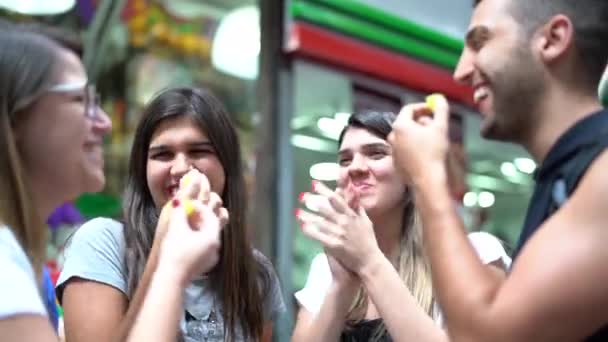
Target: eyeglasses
x=92 y=100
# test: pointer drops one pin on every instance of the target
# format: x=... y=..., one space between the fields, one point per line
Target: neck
x=44 y=199
x=388 y=229
x=556 y=114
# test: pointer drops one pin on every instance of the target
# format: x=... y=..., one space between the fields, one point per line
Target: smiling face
x=498 y=63
x=366 y=164
x=62 y=150
x=177 y=145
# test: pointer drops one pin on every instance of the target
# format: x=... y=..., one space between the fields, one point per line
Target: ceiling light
x=525 y=165
x=508 y=169
x=236 y=43
x=485 y=199
x=342 y=118
x=469 y=199
x=38 y=7
x=313 y=144
x=330 y=127
x=324 y=171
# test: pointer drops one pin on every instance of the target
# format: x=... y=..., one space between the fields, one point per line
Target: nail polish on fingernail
x=301 y=196
x=175 y=202
x=297 y=212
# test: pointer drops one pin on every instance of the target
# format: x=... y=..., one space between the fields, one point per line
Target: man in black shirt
x=535 y=66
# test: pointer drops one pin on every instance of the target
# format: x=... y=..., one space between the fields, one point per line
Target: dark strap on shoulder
x=559 y=181
x=574 y=170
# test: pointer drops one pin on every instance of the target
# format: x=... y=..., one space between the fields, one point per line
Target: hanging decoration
x=151 y=25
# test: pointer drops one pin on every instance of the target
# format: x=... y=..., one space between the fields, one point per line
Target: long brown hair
x=239 y=280
x=413 y=266
x=26 y=65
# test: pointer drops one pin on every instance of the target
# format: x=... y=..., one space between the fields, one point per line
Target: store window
x=135 y=48
x=490 y=182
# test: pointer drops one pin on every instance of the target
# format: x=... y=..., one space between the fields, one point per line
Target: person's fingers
x=320 y=205
x=425 y=121
x=441 y=109
x=340 y=192
x=178 y=216
x=215 y=202
x=315 y=232
x=337 y=202
x=194 y=212
x=352 y=197
x=223 y=216
x=189 y=185
x=204 y=194
x=412 y=113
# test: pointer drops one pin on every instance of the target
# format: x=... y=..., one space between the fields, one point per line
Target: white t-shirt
x=319 y=279
x=19 y=294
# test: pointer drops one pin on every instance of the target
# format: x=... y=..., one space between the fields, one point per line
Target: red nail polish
x=297 y=212
x=175 y=202
x=301 y=197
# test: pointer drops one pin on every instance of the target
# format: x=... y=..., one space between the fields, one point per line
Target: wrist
x=168 y=271
x=343 y=293
x=370 y=269
x=435 y=177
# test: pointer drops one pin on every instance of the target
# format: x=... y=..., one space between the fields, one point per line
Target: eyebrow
x=190 y=145
x=367 y=147
x=476 y=35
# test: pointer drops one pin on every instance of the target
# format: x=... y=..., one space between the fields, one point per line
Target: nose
x=181 y=164
x=102 y=123
x=464 y=69
x=358 y=166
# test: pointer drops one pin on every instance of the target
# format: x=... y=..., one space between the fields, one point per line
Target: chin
x=95 y=182
x=490 y=130
x=371 y=209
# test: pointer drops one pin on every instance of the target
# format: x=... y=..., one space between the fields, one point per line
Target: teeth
x=480 y=94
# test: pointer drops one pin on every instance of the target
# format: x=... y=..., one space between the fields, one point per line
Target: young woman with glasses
x=51 y=151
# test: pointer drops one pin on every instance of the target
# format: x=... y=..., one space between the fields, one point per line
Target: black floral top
x=363 y=331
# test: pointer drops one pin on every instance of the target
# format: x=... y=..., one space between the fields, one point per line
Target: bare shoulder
x=558 y=287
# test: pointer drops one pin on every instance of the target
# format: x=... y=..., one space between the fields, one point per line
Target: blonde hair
x=16 y=208
x=412 y=264
x=413 y=267
x=26 y=66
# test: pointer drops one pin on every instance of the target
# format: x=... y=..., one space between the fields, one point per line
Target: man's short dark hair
x=590 y=20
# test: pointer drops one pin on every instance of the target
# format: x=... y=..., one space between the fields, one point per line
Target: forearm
x=138 y=297
x=464 y=287
x=158 y=319
x=403 y=317
x=327 y=325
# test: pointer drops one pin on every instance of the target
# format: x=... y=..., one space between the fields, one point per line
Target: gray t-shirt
x=19 y=294
x=96 y=252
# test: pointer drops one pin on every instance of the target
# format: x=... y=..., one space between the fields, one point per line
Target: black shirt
x=568 y=151
x=363 y=331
